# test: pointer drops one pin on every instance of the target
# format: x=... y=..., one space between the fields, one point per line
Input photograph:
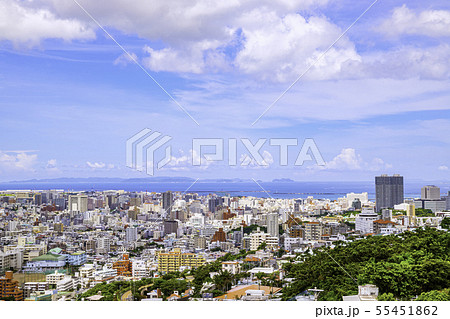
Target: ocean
x=329 y=190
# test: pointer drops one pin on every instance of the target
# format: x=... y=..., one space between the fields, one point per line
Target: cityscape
x=218 y=152
x=118 y=245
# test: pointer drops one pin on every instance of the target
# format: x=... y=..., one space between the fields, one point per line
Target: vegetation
x=445 y=223
x=435 y=295
x=249 y=229
x=402 y=266
x=420 y=212
x=114 y=290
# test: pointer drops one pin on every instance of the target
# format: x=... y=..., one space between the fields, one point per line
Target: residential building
x=170 y=227
x=313 y=231
x=123 y=266
x=140 y=269
x=172 y=261
x=9 y=288
x=78 y=203
x=272 y=225
x=12 y=259
x=131 y=234
x=380 y=225
x=103 y=245
x=364 y=221
x=233 y=267
x=220 y=236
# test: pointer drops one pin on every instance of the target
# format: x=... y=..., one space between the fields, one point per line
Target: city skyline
x=376 y=104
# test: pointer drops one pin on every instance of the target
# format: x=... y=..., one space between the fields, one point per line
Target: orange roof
x=381 y=221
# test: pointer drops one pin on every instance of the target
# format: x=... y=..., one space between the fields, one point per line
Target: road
x=126 y=296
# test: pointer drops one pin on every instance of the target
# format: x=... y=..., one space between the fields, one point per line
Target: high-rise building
x=38 y=199
x=219 y=235
x=167 y=201
x=213 y=203
x=170 y=227
x=60 y=202
x=431 y=192
x=389 y=191
x=272 y=225
x=103 y=245
x=411 y=212
x=78 y=203
x=131 y=234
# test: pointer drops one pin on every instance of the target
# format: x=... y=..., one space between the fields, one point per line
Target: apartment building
x=313 y=231
x=9 y=288
x=11 y=259
x=172 y=261
x=123 y=266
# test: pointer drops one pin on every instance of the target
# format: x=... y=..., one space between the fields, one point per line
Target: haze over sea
x=330 y=190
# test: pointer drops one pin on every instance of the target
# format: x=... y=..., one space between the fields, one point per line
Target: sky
x=374 y=98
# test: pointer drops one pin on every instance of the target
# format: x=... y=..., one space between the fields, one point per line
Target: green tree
x=435 y=295
x=386 y=297
x=445 y=223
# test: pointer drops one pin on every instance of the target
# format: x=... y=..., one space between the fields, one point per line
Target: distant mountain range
x=159 y=179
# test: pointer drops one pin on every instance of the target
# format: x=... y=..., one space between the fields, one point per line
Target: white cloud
x=52 y=166
x=26 y=25
x=185 y=162
x=270 y=38
x=443 y=168
x=17 y=161
x=433 y=23
x=281 y=48
x=99 y=165
x=348 y=159
x=404 y=63
x=51 y=163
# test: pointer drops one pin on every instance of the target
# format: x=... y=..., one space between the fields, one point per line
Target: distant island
x=283 y=180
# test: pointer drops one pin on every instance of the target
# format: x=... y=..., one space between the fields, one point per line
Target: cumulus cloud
x=348 y=159
x=282 y=47
x=272 y=40
x=265 y=38
x=19 y=161
x=443 y=168
x=404 y=21
x=27 y=25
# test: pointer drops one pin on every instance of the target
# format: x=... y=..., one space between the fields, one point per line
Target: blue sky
x=377 y=102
